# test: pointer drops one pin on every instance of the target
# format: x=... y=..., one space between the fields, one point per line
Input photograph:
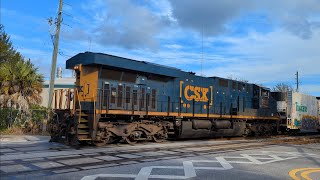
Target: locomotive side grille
x=106 y=93
x=135 y=97
x=128 y=94
x=119 y=99
x=113 y=95
x=153 y=98
x=143 y=92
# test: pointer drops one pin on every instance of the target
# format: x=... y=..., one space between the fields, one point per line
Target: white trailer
x=303 y=112
x=299 y=111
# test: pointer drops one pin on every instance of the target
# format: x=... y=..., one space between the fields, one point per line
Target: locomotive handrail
x=78 y=99
x=169 y=106
x=94 y=105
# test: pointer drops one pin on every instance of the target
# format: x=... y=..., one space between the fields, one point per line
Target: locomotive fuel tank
x=201 y=124
x=223 y=124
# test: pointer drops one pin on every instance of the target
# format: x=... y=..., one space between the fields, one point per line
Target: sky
x=264 y=42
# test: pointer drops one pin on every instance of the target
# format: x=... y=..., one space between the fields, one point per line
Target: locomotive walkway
x=32 y=157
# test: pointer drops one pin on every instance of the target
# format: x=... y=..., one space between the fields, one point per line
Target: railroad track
x=134 y=155
x=62 y=147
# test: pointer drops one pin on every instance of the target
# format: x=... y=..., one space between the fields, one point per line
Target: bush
x=7 y=117
x=11 y=120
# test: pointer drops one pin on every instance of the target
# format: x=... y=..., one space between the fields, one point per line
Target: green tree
x=20 y=82
x=7 y=51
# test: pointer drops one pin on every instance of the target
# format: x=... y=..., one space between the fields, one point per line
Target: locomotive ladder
x=83 y=131
x=83 y=126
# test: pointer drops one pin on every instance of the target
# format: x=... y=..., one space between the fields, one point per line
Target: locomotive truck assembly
x=117 y=99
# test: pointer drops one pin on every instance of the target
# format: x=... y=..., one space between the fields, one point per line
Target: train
x=120 y=99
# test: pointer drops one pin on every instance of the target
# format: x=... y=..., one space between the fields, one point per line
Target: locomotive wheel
x=134 y=137
x=70 y=133
x=130 y=140
x=159 y=137
x=100 y=143
x=247 y=132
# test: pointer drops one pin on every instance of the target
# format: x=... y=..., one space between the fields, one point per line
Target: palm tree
x=21 y=84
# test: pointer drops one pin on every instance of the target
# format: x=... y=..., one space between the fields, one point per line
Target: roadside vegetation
x=282 y=87
x=20 y=88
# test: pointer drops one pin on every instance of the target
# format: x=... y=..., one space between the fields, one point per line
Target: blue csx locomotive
x=123 y=99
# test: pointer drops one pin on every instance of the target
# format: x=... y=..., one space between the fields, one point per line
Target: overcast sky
x=264 y=42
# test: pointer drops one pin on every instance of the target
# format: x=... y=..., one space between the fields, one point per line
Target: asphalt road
x=33 y=157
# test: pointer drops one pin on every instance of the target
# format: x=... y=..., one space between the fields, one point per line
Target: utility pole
x=54 y=56
x=53 y=65
x=201 y=50
x=297 y=79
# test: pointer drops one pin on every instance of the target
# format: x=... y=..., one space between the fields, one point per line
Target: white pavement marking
x=109 y=176
x=190 y=169
x=252 y=159
x=224 y=163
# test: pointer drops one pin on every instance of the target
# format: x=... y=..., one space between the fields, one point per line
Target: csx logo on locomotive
x=197 y=93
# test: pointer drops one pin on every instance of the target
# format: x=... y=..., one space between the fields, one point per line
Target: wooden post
x=55 y=99
x=60 y=98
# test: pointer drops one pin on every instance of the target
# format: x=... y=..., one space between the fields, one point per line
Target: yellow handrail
x=94 y=107
x=76 y=90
